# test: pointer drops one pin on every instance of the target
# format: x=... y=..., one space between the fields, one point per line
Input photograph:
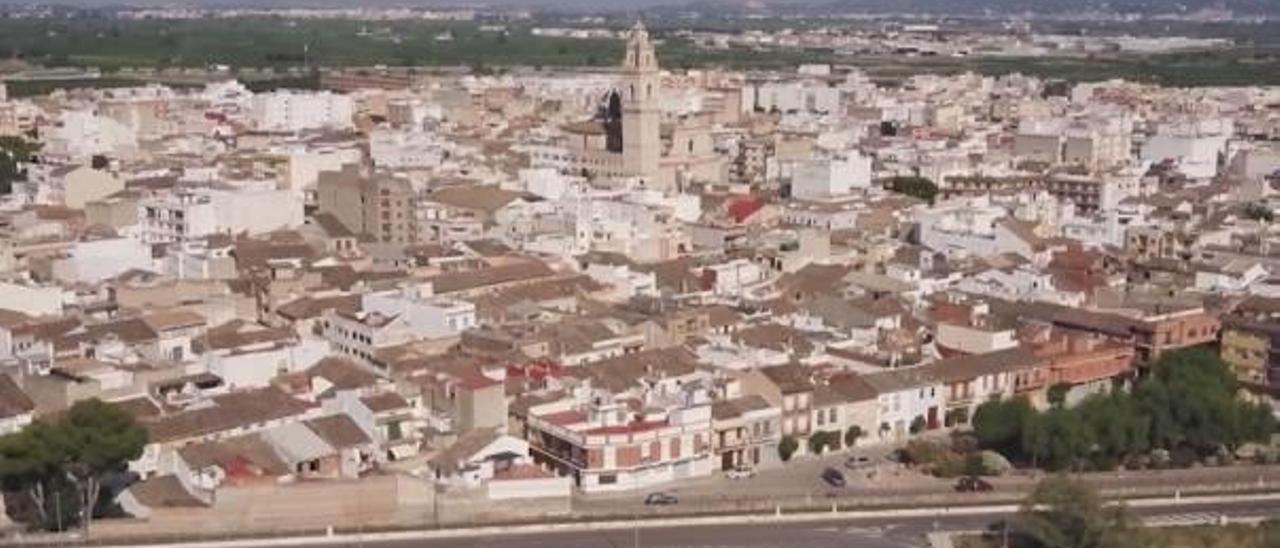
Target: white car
x=741 y=472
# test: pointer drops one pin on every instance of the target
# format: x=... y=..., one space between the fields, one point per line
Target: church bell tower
x=641 y=115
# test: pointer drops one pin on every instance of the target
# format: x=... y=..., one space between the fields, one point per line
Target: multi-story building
x=789 y=388
x=292 y=112
x=391 y=318
x=166 y=218
x=747 y=432
x=1251 y=347
x=379 y=207
x=750 y=165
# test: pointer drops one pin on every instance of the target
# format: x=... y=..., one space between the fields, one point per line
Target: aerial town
x=447 y=299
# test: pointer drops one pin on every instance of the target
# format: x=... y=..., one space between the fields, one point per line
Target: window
x=608 y=479
x=832 y=416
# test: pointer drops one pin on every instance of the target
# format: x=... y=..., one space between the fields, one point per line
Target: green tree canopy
x=79 y=449
x=1057 y=439
x=13 y=152
x=998 y=424
x=1188 y=406
x=787 y=448
x=914 y=186
x=1067 y=513
x=852 y=435
x=1119 y=425
x=820 y=441
x=1190 y=397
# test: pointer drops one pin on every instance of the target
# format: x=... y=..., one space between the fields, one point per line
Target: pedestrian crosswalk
x=1185 y=519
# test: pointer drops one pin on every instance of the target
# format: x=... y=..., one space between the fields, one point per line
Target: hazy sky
x=904 y=6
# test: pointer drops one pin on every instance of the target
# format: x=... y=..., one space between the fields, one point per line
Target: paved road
x=841 y=532
x=798 y=485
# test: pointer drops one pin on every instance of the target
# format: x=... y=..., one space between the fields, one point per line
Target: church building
x=631 y=137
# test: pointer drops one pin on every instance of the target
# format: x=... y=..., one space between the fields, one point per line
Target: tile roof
x=483 y=198
x=13 y=401
x=227 y=412
x=238 y=456
x=165 y=492
x=174 y=319
x=452 y=282
x=387 y=401
x=736 y=407
x=468 y=444
x=313 y=307
x=339 y=431
x=239 y=333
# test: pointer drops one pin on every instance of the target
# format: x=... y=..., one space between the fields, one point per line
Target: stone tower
x=641 y=141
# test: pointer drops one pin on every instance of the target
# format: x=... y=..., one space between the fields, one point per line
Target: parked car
x=741 y=472
x=660 y=499
x=857 y=461
x=833 y=477
x=973 y=484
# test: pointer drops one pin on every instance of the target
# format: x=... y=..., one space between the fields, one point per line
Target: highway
x=859 y=532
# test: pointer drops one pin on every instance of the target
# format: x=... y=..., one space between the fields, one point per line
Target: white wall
x=33 y=301
x=530 y=488
x=296 y=111
x=258 y=211
x=97 y=260
x=827 y=178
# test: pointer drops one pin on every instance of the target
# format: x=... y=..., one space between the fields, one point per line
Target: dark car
x=833 y=477
x=973 y=484
x=660 y=499
x=997 y=529
x=857 y=461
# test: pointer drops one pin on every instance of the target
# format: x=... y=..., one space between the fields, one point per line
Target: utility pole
x=635 y=479
x=435 y=504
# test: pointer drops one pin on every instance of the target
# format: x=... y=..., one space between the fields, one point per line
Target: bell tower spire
x=641 y=138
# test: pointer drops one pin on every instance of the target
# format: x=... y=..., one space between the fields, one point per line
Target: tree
x=852 y=435
x=79 y=450
x=1057 y=394
x=14 y=151
x=1067 y=513
x=1057 y=439
x=914 y=186
x=98 y=439
x=917 y=425
x=787 y=447
x=1120 y=427
x=821 y=441
x=1259 y=212
x=817 y=442
x=974 y=465
x=1187 y=407
x=1191 y=400
x=998 y=424
x=29 y=465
